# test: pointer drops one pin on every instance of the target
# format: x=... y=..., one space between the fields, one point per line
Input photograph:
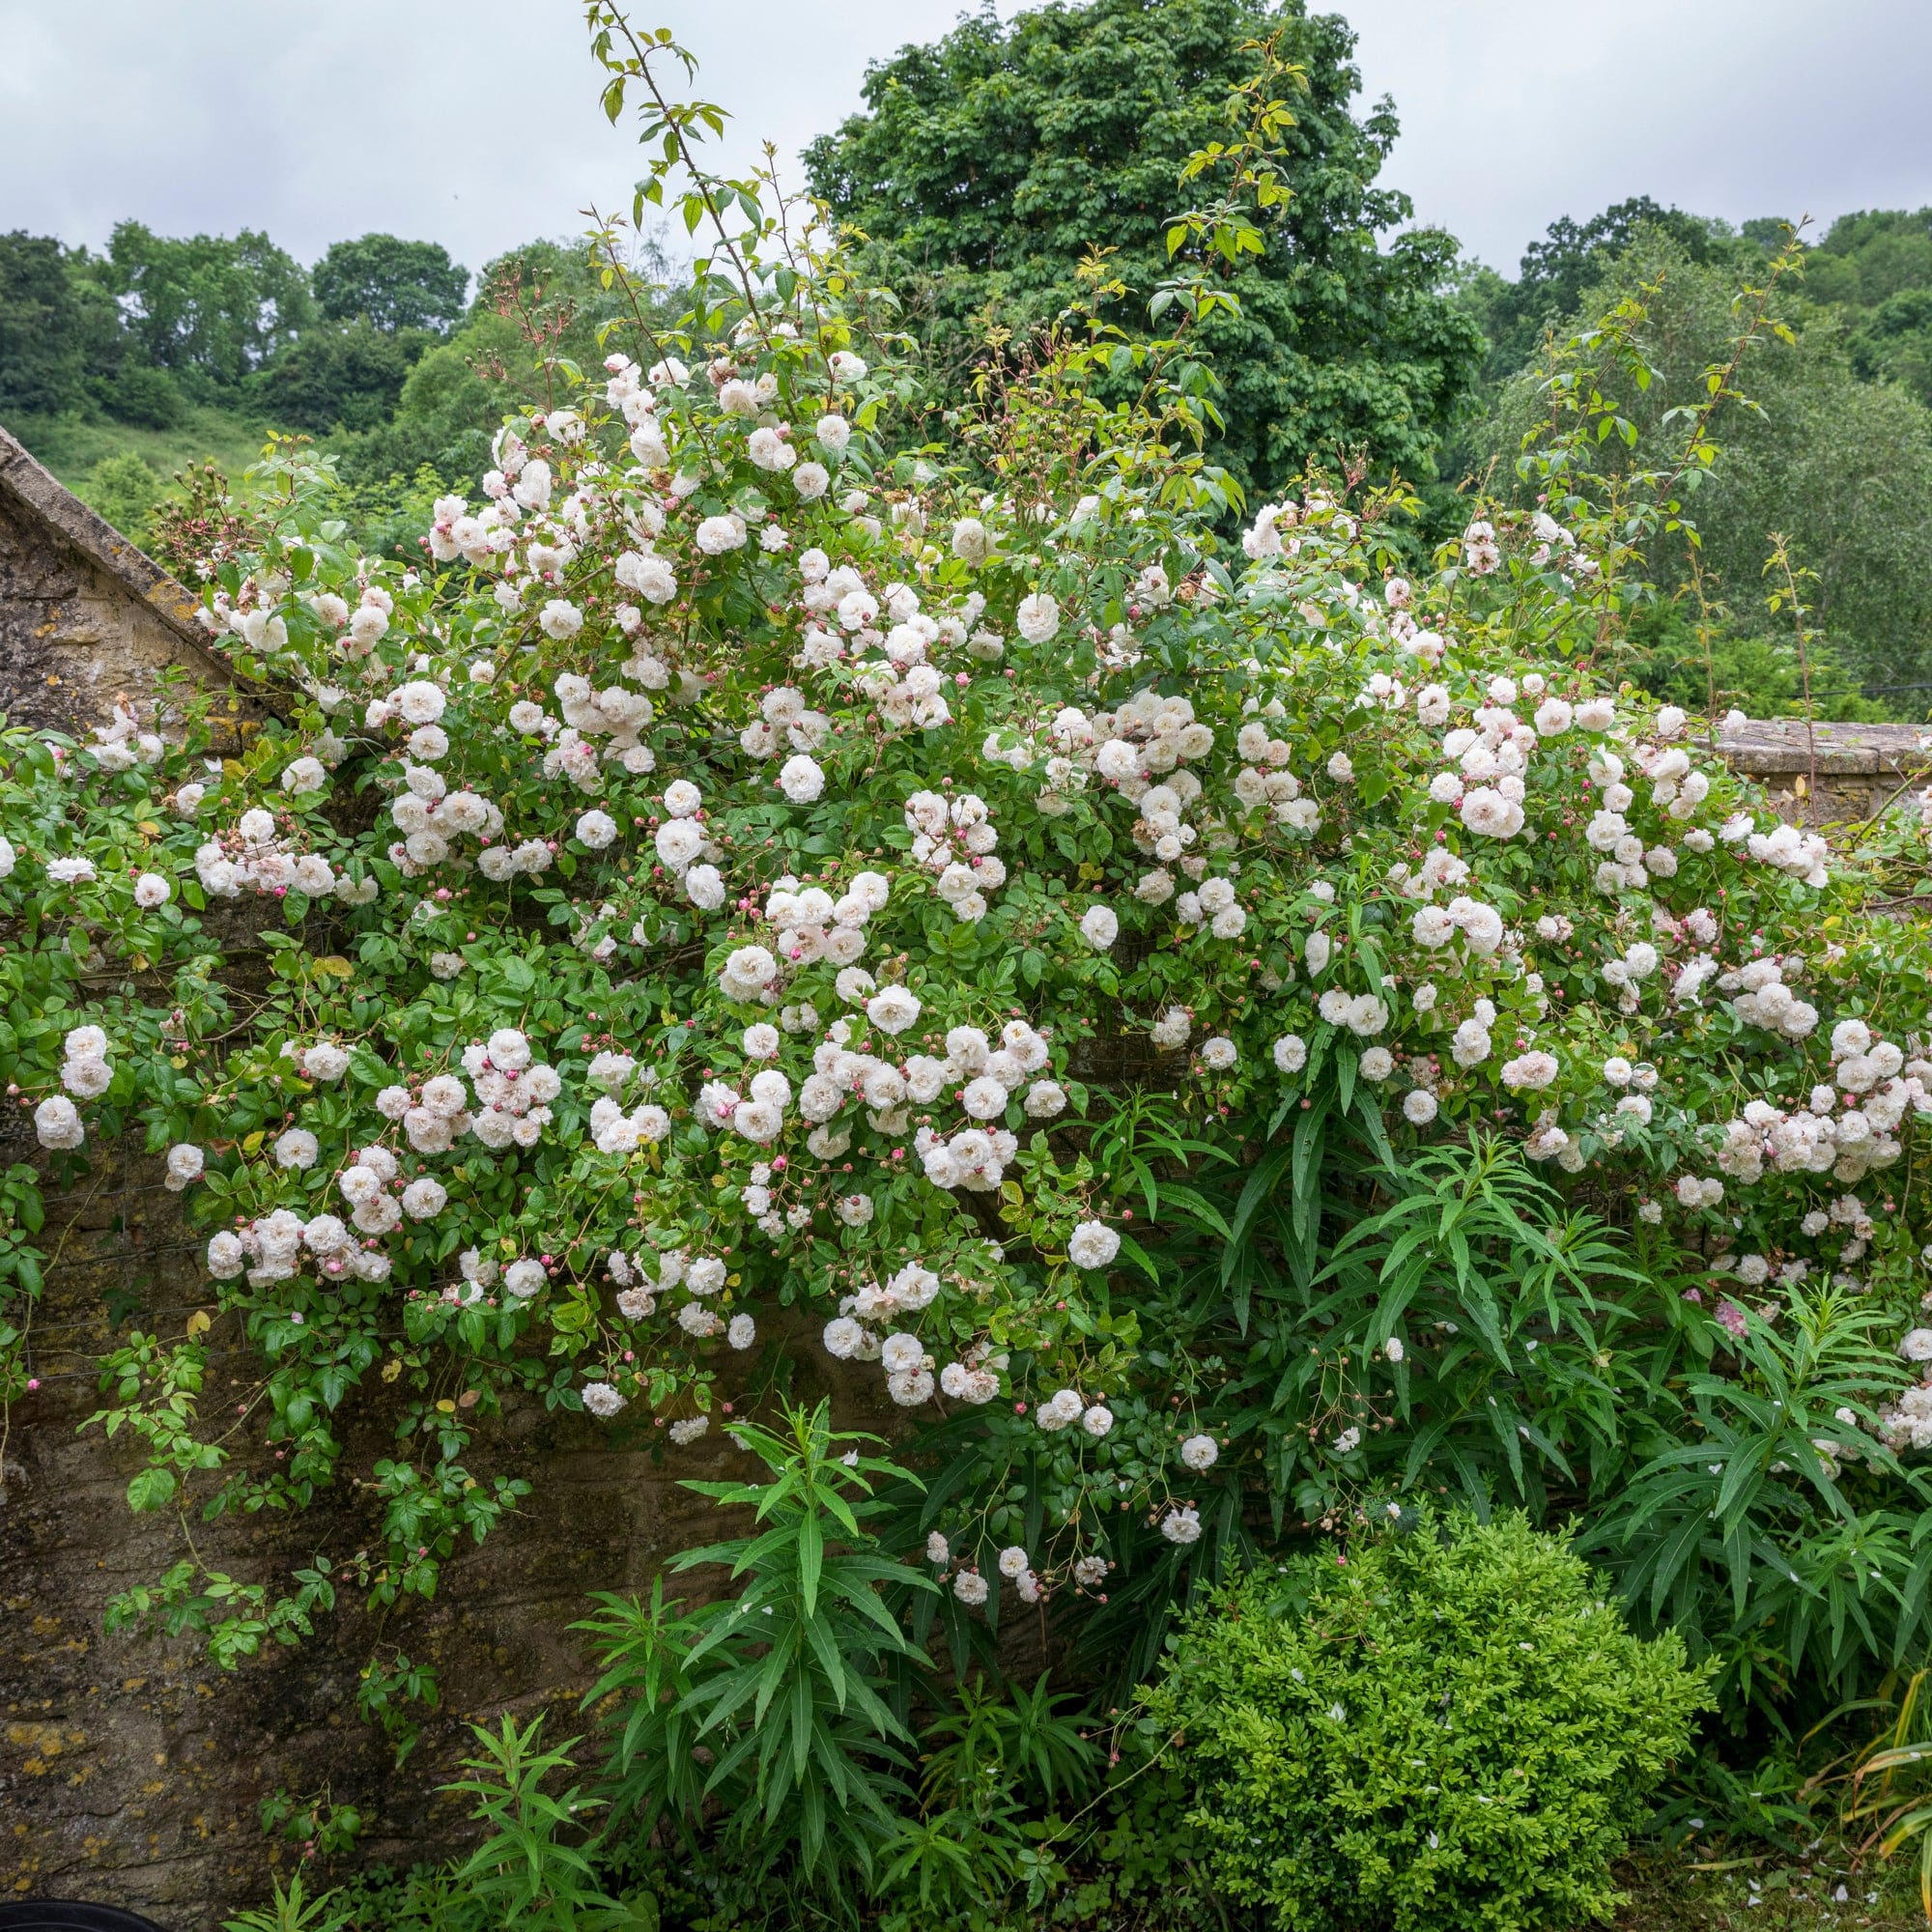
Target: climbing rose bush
x=749 y=892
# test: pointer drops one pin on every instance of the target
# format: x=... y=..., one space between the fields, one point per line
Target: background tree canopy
x=1842 y=462
x=390 y=284
x=986 y=168
x=996 y=157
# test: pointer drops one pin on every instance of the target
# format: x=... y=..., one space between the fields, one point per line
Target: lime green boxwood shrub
x=1445 y=1727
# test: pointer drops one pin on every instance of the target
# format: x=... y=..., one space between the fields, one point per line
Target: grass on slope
x=72 y=446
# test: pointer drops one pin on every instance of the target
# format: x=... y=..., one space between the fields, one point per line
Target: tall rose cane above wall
x=959 y=895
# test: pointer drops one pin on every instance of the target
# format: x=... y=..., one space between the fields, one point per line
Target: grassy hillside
x=124 y=471
x=72 y=446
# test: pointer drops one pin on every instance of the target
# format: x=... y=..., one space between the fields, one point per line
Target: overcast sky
x=477 y=125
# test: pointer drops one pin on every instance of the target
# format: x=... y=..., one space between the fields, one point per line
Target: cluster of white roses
x=956 y=841
x=86 y=1073
x=121 y=742
x=840 y=1064
x=280 y=1245
x=1846 y=1126
x=256 y=856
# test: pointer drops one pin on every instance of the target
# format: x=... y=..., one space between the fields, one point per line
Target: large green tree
x=62 y=344
x=543 y=299
x=1867 y=257
x=210 y=308
x=1574 y=256
x=338 y=375
x=986 y=164
x=42 y=356
x=1845 y=467
x=390 y=283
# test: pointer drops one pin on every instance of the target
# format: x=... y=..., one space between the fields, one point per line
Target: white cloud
x=1514 y=112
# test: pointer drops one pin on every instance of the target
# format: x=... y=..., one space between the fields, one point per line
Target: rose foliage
x=1213 y=1031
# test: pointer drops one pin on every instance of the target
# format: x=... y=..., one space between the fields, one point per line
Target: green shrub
x=126 y=490
x=1443 y=1727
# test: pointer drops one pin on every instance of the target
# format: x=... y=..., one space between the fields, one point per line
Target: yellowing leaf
x=392 y=1368
x=335 y=966
x=446 y=1407
x=199 y=1323
x=253 y=1143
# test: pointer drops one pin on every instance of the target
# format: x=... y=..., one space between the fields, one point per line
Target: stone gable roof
x=85 y=616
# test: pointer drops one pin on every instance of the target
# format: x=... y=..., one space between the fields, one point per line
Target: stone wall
x=132 y=1769
x=84 y=616
x=1828 y=774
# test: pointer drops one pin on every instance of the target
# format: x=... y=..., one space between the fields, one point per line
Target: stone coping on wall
x=1828 y=771
x=87 y=619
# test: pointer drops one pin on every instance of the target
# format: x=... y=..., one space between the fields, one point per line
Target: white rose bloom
x=602 y=1399
x=424 y=1198
x=1039 y=617
x=894 y=1010
x=1530 y=1070
x=801 y=779
x=716 y=536
x=1181 y=1525
x=1099 y=928
x=678 y=843
x=1200 y=1453
x=984 y=1097
x=523 y=1279
x=57 y=1124
x=419 y=702
x=843 y=1338
x=1092 y=1245
x=87 y=1079
x=1044 y=1099
x=509 y=1050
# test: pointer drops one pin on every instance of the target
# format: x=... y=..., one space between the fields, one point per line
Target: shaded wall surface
x=130 y=1768
x=1828 y=774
